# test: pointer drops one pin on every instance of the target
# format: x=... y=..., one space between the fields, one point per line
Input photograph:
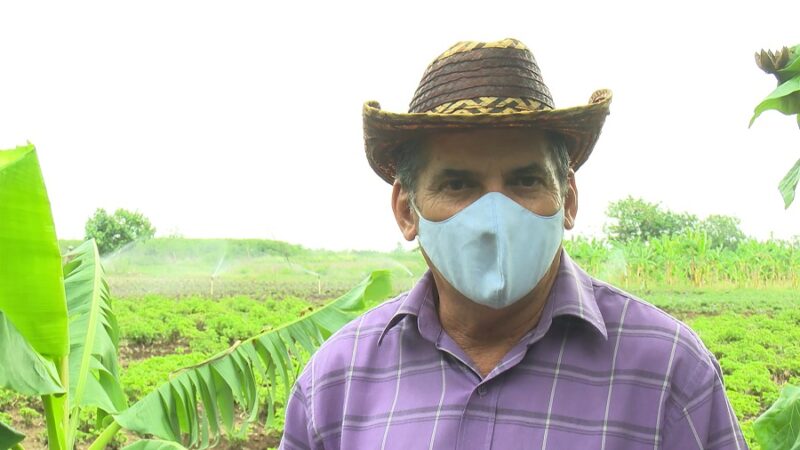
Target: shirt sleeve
x=703 y=419
x=297 y=431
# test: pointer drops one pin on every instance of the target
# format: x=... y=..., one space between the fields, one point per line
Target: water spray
x=108 y=260
x=405 y=268
x=310 y=272
x=216 y=272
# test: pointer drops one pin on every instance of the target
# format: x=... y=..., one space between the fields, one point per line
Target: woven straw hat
x=482 y=85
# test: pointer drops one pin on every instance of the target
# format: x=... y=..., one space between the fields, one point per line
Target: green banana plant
x=777 y=428
x=58 y=336
x=32 y=296
x=59 y=339
x=784 y=64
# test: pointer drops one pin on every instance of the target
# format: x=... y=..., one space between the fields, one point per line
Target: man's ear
x=571 y=201
x=406 y=219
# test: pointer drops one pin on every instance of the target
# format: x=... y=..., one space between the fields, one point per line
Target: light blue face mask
x=494 y=251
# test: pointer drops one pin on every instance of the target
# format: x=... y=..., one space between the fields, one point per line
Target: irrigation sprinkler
x=215 y=273
x=310 y=272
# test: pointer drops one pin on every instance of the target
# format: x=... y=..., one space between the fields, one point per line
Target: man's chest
x=439 y=402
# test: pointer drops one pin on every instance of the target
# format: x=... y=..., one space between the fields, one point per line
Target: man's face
x=461 y=167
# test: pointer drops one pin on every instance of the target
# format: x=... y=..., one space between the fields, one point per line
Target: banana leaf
x=199 y=403
x=788 y=185
x=9 y=437
x=94 y=336
x=21 y=368
x=785 y=98
x=31 y=284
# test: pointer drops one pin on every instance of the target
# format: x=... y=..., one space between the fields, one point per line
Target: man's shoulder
x=367 y=326
x=640 y=325
x=627 y=316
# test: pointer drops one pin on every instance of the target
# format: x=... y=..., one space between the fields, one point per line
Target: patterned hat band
x=489 y=105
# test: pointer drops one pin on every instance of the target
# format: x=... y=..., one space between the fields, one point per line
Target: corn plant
x=59 y=339
x=688 y=260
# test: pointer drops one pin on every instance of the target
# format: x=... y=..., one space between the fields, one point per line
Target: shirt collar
x=420 y=295
x=572 y=294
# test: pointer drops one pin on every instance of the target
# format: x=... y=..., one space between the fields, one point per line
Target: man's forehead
x=507 y=146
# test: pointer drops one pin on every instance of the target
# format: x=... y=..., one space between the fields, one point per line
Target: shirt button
x=482 y=390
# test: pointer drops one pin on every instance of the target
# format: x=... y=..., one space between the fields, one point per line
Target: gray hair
x=560 y=155
x=410 y=159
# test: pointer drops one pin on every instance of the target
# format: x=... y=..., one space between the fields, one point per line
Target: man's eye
x=455 y=185
x=528 y=181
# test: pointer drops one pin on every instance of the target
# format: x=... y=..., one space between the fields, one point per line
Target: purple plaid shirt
x=601 y=370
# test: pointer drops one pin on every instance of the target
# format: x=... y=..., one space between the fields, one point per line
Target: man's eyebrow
x=530 y=169
x=456 y=173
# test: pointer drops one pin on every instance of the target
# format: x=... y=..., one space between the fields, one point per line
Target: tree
x=113 y=231
x=722 y=231
x=636 y=219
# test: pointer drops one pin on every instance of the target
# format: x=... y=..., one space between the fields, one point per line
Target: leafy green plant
x=779 y=427
x=62 y=342
x=784 y=64
x=112 y=231
x=28 y=415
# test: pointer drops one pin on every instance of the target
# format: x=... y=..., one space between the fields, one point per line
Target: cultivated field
x=180 y=301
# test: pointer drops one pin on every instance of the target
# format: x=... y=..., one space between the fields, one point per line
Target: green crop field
x=180 y=301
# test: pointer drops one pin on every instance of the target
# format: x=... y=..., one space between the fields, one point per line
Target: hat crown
x=482 y=77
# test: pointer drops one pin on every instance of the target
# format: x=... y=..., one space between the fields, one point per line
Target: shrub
x=113 y=231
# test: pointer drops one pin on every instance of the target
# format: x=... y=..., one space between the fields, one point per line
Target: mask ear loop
x=419 y=216
x=414 y=207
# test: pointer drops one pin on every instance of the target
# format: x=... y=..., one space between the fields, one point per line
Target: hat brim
x=384 y=131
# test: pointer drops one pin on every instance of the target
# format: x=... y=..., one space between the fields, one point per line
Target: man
x=505 y=343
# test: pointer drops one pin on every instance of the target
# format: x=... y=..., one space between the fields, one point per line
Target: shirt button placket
x=475 y=433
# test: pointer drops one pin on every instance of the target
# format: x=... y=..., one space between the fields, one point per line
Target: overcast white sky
x=243 y=119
